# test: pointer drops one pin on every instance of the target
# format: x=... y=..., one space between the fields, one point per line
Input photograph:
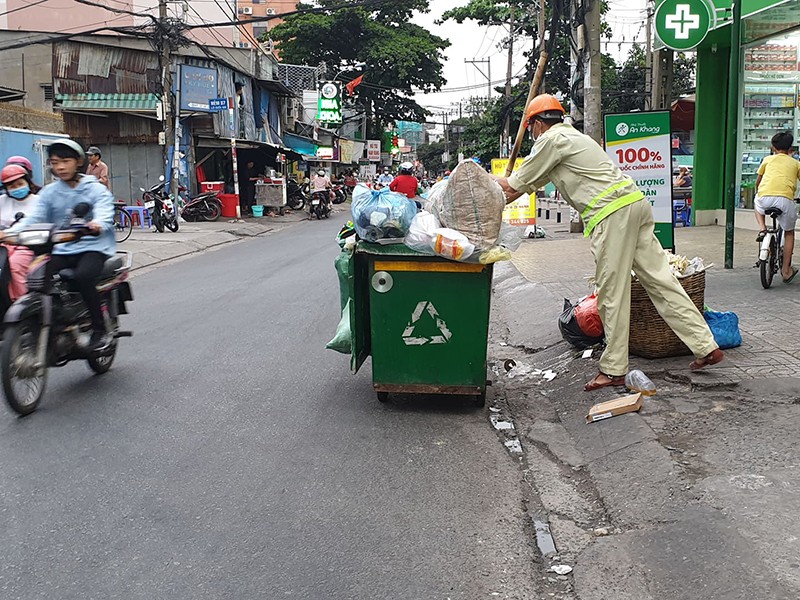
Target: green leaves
x=401 y=56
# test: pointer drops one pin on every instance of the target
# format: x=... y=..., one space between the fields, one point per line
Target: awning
x=276 y=87
x=273 y=150
x=136 y=103
x=303 y=145
x=8 y=94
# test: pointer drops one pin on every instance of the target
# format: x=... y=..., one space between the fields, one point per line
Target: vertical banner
x=373 y=150
x=639 y=144
x=521 y=211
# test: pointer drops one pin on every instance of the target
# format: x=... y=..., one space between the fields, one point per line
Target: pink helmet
x=12 y=173
x=22 y=161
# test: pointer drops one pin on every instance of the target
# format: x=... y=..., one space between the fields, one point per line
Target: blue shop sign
x=198 y=85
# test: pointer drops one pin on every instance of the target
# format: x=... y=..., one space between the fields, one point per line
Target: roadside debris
x=560 y=569
x=544 y=539
x=500 y=424
x=612 y=408
x=514 y=446
x=587 y=353
x=637 y=381
x=526 y=371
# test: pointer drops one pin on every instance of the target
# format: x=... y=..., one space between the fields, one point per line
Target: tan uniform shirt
x=100 y=170
x=581 y=171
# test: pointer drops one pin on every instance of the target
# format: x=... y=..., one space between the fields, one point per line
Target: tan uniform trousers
x=623 y=241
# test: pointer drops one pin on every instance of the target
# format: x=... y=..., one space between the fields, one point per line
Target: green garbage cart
x=423 y=319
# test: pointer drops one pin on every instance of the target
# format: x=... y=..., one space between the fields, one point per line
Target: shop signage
x=639 y=144
x=683 y=24
x=218 y=104
x=198 y=86
x=329 y=104
x=521 y=211
x=325 y=152
x=374 y=150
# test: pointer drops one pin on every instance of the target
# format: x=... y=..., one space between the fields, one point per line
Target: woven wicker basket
x=650 y=336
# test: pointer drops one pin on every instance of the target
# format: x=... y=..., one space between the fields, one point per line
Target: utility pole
x=504 y=145
x=576 y=59
x=731 y=133
x=166 y=83
x=488 y=74
x=592 y=125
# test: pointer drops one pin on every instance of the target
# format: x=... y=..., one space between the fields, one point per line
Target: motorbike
x=160 y=207
x=296 y=195
x=203 y=207
x=339 y=195
x=5 y=273
x=320 y=204
x=50 y=326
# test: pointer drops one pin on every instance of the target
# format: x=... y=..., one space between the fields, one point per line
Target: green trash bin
x=423 y=319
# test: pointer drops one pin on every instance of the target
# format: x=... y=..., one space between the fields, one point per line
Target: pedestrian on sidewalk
x=620 y=223
x=97 y=167
x=776 y=186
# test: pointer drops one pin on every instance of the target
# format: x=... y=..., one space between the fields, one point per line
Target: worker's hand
x=510 y=193
x=94 y=227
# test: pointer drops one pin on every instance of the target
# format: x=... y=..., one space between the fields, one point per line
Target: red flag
x=352 y=85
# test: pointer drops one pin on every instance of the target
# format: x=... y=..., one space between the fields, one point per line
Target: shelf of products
x=771 y=57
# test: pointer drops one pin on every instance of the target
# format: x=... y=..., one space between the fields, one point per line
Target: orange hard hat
x=543 y=105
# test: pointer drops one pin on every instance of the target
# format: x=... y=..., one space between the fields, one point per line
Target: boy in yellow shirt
x=775 y=188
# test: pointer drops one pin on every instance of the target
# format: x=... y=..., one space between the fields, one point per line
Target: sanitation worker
x=620 y=223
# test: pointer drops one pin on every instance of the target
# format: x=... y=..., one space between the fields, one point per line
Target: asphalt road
x=229 y=455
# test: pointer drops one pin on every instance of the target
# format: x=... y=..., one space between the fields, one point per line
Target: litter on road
x=612 y=408
x=560 y=569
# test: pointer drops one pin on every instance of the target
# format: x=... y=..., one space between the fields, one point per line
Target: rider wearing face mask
x=18 y=198
x=619 y=221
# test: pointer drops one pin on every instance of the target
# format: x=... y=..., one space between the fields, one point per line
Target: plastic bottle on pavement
x=639 y=382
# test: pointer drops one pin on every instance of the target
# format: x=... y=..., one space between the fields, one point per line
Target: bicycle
x=770 y=255
x=123 y=223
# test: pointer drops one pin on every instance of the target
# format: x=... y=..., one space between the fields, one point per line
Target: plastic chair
x=139 y=214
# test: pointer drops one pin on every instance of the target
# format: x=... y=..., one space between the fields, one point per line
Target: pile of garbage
x=381 y=215
x=463 y=219
x=682 y=267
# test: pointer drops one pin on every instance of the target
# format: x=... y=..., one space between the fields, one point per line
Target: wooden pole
x=535 y=84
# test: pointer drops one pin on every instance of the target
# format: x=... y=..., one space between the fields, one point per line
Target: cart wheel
x=383 y=396
x=480 y=399
x=281 y=211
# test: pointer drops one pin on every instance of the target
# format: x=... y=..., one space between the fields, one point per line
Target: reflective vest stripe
x=620 y=202
x=601 y=195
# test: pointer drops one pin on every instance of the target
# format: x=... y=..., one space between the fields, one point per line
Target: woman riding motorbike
x=18 y=198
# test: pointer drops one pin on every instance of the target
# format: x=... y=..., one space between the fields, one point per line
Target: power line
x=13 y=10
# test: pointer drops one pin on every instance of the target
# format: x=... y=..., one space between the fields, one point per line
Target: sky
x=471 y=41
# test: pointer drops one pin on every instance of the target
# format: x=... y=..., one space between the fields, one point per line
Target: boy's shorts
x=788 y=219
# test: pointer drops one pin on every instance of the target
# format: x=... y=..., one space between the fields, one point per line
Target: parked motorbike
x=296 y=195
x=203 y=207
x=320 y=204
x=50 y=326
x=338 y=194
x=160 y=207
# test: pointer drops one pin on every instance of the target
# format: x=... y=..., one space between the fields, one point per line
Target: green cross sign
x=683 y=24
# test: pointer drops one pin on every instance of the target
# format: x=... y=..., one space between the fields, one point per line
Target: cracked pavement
x=692 y=497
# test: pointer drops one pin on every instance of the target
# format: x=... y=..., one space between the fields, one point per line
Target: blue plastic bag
x=380 y=214
x=725 y=327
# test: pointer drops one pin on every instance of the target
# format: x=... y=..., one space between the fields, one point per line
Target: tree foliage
x=401 y=57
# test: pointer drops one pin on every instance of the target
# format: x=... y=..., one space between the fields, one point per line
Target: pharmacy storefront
x=769 y=89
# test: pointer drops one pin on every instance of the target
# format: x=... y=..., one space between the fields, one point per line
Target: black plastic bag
x=571 y=331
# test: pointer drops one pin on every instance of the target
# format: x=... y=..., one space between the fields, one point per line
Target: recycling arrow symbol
x=408 y=333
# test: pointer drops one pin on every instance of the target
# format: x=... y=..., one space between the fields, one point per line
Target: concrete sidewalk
x=150 y=248
x=562 y=264
x=695 y=495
